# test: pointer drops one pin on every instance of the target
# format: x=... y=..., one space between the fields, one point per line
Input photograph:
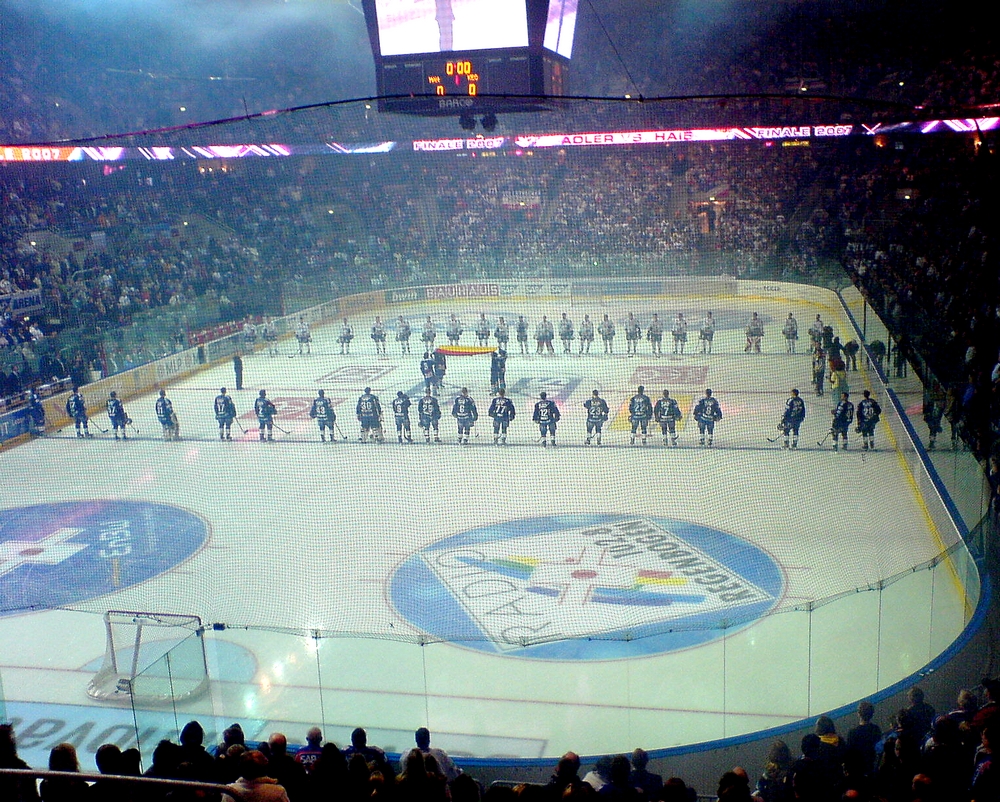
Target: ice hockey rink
x=387 y=585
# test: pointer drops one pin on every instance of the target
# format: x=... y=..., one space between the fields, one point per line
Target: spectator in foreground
x=21 y=789
x=254 y=784
x=447 y=766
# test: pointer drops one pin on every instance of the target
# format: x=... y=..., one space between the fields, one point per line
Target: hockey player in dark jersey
x=498 y=370
x=502 y=411
x=667 y=413
x=36 y=414
x=546 y=415
x=707 y=413
x=640 y=412
x=76 y=408
x=791 y=418
x=225 y=414
x=465 y=413
x=117 y=416
x=597 y=414
x=369 y=413
x=440 y=368
x=265 y=411
x=165 y=414
x=401 y=415
x=843 y=415
x=427 y=371
x=429 y=414
x=322 y=411
x=869 y=412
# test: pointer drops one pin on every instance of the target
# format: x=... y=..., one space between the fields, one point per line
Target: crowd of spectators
x=922 y=756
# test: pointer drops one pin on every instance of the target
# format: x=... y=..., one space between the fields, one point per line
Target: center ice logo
x=56 y=555
x=590 y=587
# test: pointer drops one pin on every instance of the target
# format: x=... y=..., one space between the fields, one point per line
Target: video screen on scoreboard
x=440 y=26
x=560 y=25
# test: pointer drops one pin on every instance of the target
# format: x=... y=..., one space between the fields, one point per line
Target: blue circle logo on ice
x=57 y=555
x=586 y=587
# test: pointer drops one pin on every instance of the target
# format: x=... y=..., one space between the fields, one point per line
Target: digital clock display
x=467 y=76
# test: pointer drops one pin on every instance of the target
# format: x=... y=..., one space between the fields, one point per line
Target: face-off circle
x=58 y=555
x=586 y=587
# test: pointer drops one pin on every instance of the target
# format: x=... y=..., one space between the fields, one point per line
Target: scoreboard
x=441 y=57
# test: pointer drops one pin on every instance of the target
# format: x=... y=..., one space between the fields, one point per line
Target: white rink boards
x=418 y=543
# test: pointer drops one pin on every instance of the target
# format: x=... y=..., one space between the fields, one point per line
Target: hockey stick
x=239 y=425
x=825 y=437
x=134 y=428
x=340 y=431
x=276 y=426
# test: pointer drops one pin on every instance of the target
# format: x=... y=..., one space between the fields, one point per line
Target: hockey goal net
x=151 y=658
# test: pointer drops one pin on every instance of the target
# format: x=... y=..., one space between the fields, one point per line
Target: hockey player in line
x=544 y=334
x=368 y=411
x=816 y=334
x=429 y=416
x=76 y=408
x=640 y=412
x=606 y=328
x=225 y=414
x=707 y=413
x=502 y=333
x=707 y=333
x=346 y=335
x=117 y=416
x=819 y=370
x=483 y=330
x=791 y=419
x=843 y=415
x=427 y=371
x=597 y=414
x=868 y=414
x=667 y=413
x=378 y=336
x=566 y=333
x=265 y=410
x=165 y=414
x=791 y=332
x=755 y=333
x=270 y=335
x=679 y=331
x=36 y=414
x=303 y=336
x=654 y=333
x=521 y=328
x=586 y=334
x=498 y=370
x=401 y=415
x=403 y=333
x=429 y=334
x=633 y=330
x=465 y=413
x=454 y=330
x=502 y=411
x=322 y=412
x=546 y=415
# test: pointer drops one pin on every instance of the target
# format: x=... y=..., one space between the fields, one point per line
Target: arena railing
x=130 y=784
